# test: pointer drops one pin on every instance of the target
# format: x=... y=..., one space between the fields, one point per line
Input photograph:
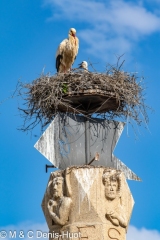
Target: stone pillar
x=87 y=203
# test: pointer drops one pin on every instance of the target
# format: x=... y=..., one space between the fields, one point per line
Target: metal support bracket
x=49 y=166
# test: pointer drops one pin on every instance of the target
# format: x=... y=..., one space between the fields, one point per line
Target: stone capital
x=87 y=202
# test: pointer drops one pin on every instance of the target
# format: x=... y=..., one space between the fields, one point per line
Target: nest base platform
x=89 y=102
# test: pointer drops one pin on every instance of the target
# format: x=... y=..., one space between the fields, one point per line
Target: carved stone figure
x=114 y=207
x=59 y=205
x=92 y=202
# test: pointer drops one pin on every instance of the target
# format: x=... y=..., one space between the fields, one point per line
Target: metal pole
x=87 y=141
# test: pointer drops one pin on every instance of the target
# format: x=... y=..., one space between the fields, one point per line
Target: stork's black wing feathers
x=58 y=62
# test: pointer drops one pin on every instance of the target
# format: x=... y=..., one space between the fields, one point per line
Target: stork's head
x=84 y=65
x=72 y=32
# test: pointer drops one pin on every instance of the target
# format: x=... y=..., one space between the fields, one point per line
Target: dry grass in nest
x=47 y=96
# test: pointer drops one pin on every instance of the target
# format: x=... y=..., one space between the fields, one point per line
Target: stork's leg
x=61 y=68
x=64 y=69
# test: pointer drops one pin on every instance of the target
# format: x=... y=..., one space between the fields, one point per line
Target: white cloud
x=142 y=234
x=115 y=26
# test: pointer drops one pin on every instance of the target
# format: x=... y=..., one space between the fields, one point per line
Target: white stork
x=67 y=52
x=84 y=65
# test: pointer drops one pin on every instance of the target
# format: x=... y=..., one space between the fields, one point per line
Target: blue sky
x=30 y=33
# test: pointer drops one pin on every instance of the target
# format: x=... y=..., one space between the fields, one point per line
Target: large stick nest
x=109 y=95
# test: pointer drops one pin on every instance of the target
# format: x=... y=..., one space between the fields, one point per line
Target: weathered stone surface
x=88 y=202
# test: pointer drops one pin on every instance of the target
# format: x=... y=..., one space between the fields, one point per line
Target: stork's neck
x=72 y=38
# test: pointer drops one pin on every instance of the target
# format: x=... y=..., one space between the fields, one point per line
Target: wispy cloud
x=114 y=26
x=142 y=234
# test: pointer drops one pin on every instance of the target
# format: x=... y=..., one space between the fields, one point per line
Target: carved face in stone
x=111 y=189
x=58 y=187
x=112 y=182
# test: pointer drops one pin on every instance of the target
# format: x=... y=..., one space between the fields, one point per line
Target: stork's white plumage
x=84 y=65
x=67 y=52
